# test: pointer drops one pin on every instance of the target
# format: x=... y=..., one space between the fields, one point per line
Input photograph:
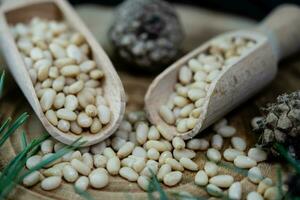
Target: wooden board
x=13 y=103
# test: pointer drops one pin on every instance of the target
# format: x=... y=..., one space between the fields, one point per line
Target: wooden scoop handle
x=282 y=27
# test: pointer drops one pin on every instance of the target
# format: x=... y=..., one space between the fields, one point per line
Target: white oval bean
x=109 y=153
x=263 y=185
x=244 y=162
x=198 y=144
x=185 y=75
x=141 y=133
x=53 y=171
x=32 y=179
x=254 y=175
x=174 y=164
x=164 y=131
x=217 y=142
x=113 y=165
x=223 y=181
x=128 y=173
x=257 y=154
x=163 y=170
x=238 y=143
x=63 y=125
x=235 y=191
x=47 y=146
x=51 y=183
x=230 y=154
x=143 y=182
x=254 y=196
x=201 y=178
x=84 y=120
x=188 y=164
x=214 y=190
x=139 y=152
x=186 y=153
x=226 y=131
x=139 y=165
x=66 y=114
x=99 y=178
x=82 y=183
x=104 y=114
x=172 y=178
x=98 y=148
x=163 y=156
x=178 y=143
x=80 y=167
x=211 y=169
x=153 y=154
x=47 y=99
x=70 y=174
x=153 y=133
x=213 y=155
x=100 y=161
x=166 y=114
x=51 y=116
x=125 y=150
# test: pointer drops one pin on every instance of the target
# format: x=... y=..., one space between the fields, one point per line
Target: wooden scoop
x=276 y=37
x=59 y=10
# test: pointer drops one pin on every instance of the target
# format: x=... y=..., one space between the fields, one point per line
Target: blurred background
x=255 y=9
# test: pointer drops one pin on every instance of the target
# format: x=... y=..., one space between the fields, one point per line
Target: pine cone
x=146 y=33
x=281 y=124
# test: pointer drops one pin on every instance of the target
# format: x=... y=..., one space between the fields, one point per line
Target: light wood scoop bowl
x=12 y=13
x=276 y=37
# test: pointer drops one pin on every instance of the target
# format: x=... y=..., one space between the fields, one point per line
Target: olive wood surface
x=14 y=103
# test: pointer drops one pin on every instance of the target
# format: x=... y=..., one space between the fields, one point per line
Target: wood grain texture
x=14 y=103
x=60 y=10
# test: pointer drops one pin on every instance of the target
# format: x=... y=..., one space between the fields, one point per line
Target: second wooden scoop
x=276 y=37
x=12 y=13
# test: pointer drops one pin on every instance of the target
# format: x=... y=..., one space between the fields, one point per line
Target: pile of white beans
x=66 y=79
x=185 y=104
x=138 y=147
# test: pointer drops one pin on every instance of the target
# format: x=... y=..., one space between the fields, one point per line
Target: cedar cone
x=281 y=124
x=146 y=33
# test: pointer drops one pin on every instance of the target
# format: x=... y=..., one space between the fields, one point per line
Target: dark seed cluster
x=281 y=124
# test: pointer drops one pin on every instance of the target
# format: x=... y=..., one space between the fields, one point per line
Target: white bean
x=201 y=178
x=254 y=175
x=211 y=169
x=125 y=150
x=230 y=154
x=47 y=146
x=113 y=165
x=99 y=178
x=80 y=167
x=82 y=183
x=104 y=114
x=128 y=173
x=163 y=170
x=166 y=114
x=235 y=191
x=214 y=190
x=238 y=143
x=51 y=183
x=100 y=161
x=172 y=178
x=226 y=131
x=143 y=182
x=254 y=196
x=188 y=164
x=32 y=179
x=223 y=181
x=186 y=153
x=70 y=174
x=198 y=144
x=178 y=143
x=257 y=154
x=141 y=132
x=244 y=162
x=213 y=155
x=217 y=142
x=174 y=164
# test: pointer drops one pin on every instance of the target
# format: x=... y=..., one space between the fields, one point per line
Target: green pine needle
x=11 y=129
x=2 y=83
x=24 y=140
x=279 y=183
x=285 y=154
x=154 y=186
